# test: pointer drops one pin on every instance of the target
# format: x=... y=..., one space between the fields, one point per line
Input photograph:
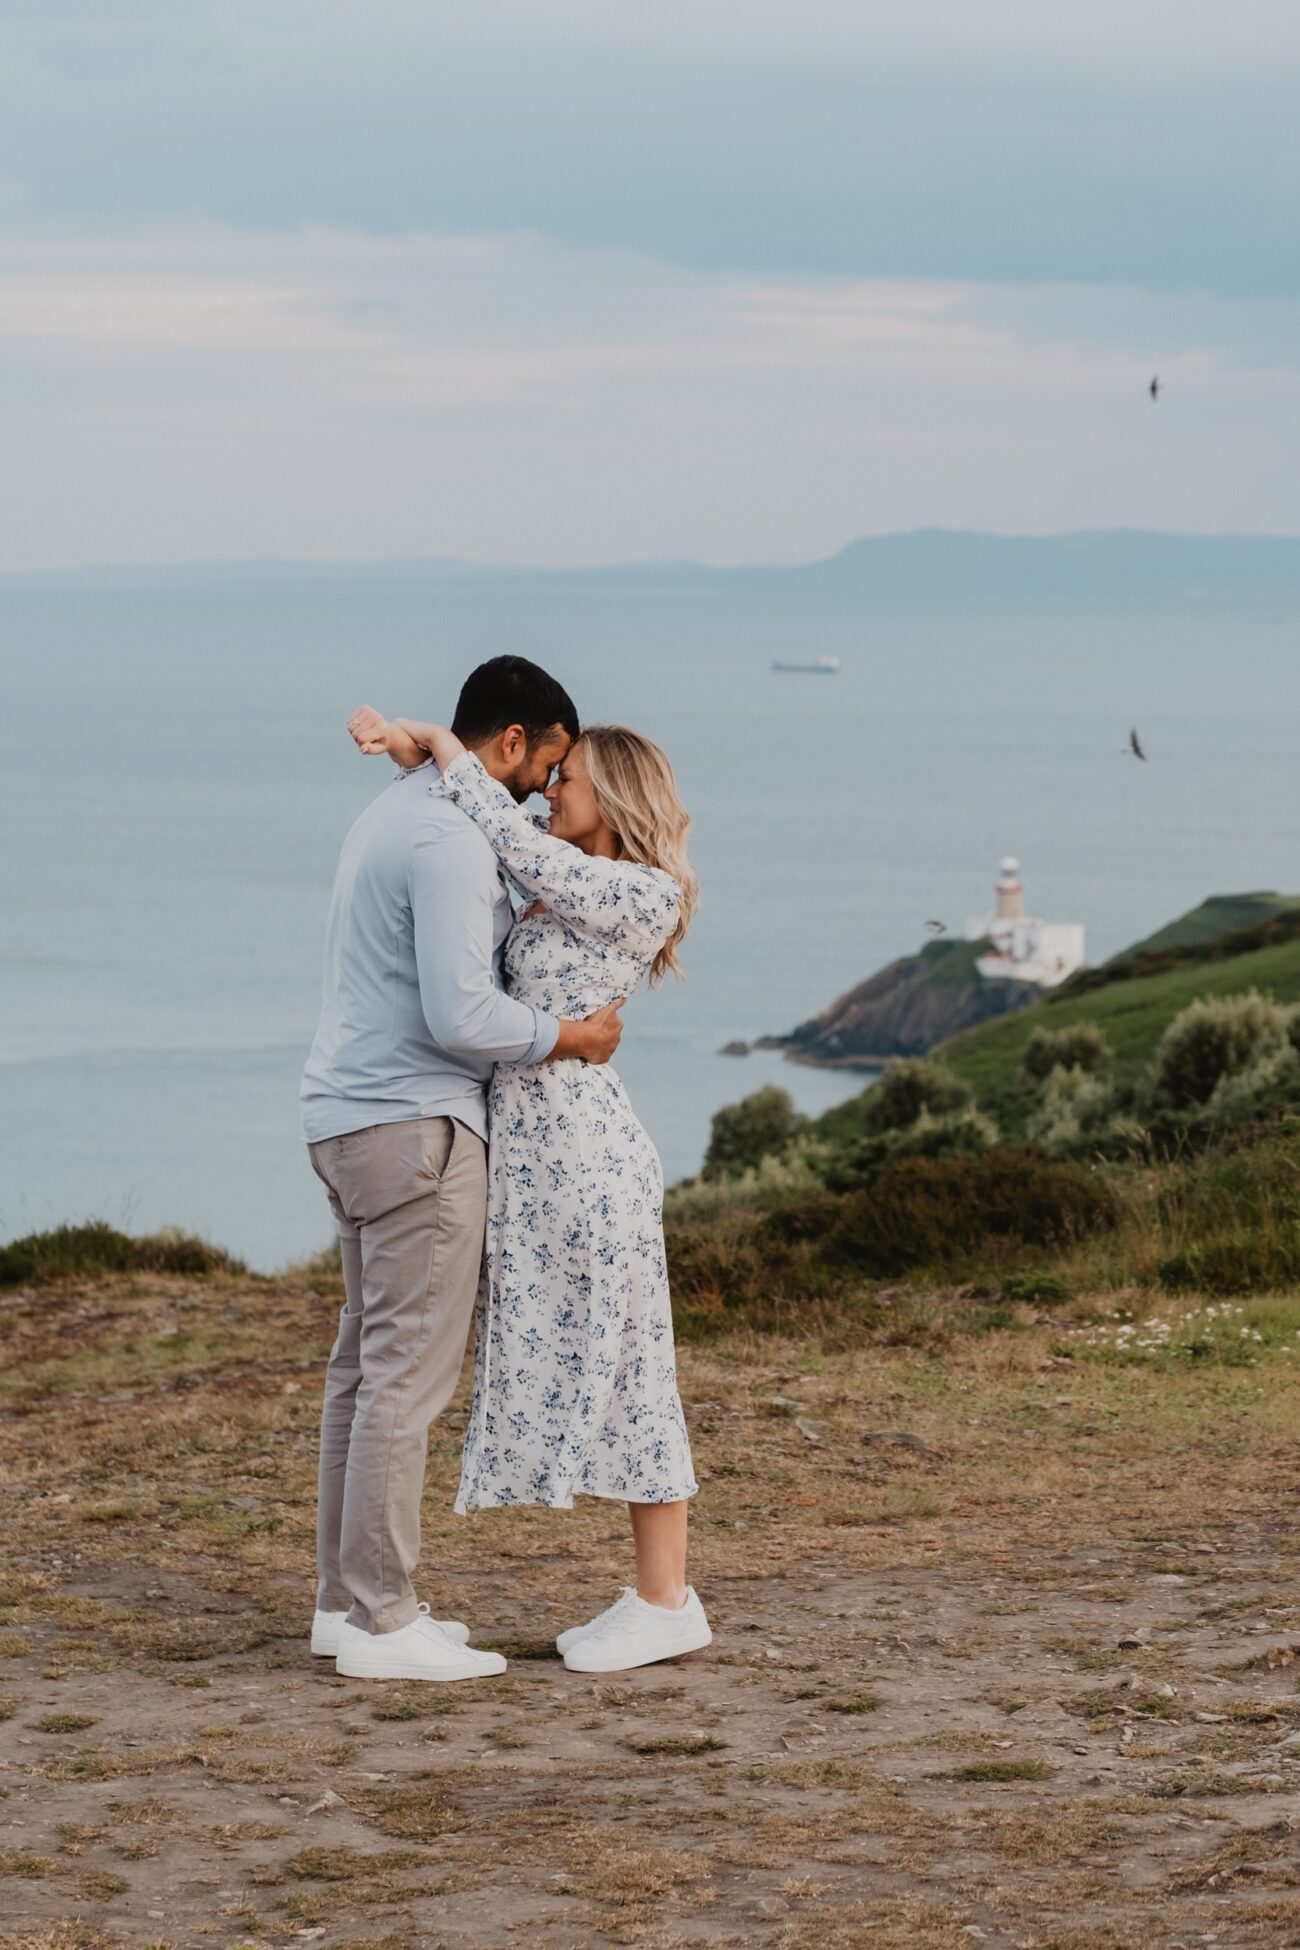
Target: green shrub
x=1268 y=1082
x=1077 y=1114
x=1080 y=1046
x=743 y=1134
x=948 y=1211
x=911 y=1087
x=91 y=1250
x=1230 y=1221
x=1210 y=1040
x=962 y=1133
x=1042 y=1289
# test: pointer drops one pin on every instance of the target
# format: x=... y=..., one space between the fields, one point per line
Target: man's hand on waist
x=593 y=1040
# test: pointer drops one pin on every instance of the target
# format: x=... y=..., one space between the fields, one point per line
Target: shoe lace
x=423 y=1610
x=611 y=1619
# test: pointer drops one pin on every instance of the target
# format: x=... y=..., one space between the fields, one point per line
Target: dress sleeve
x=615 y=901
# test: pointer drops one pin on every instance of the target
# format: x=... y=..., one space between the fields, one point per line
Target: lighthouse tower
x=1024 y=947
x=1009 y=890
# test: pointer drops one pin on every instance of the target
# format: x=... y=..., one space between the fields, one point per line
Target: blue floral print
x=575 y=1384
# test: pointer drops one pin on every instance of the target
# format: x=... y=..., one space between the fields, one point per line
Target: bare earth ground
x=1036 y=1689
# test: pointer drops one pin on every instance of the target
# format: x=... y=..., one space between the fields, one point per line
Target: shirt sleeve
x=620 y=902
x=452 y=891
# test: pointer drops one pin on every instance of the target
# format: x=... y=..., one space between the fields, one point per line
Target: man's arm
x=452 y=884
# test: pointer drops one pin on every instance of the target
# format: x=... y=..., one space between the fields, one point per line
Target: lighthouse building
x=1025 y=948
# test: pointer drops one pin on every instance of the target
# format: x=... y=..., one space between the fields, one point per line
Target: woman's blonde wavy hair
x=636 y=793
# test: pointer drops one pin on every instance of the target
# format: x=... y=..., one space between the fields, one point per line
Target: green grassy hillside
x=1131 y=1013
x=1220 y=915
x=1230 y=943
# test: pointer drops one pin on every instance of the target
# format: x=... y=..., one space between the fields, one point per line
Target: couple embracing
x=475 y=1146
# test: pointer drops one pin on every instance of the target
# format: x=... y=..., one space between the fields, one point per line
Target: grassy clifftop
x=1133 y=1008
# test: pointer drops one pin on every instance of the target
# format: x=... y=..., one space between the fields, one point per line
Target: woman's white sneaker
x=420 y=1650
x=326 y=1626
x=563 y=1640
x=634 y=1633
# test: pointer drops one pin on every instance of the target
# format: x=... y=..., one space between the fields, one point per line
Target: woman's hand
x=374 y=734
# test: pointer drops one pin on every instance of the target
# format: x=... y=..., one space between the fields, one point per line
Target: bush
x=949 y=1211
x=91 y=1250
x=744 y=1134
x=767 y=1269
x=962 y=1134
x=1077 y=1114
x=1231 y=1221
x=911 y=1088
x=1081 y=1046
x=1210 y=1040
x=1039 y=1289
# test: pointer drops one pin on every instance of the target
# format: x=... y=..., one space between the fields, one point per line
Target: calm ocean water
x=175 y=780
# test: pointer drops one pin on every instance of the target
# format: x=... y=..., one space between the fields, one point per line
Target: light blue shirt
x=413 y=1014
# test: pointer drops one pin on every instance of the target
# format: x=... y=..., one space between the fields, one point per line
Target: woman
x=574 y=1377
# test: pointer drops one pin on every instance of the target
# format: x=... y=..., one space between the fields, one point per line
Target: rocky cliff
x=906 y=1008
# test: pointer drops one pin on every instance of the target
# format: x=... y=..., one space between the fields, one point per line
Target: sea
x=176 y=779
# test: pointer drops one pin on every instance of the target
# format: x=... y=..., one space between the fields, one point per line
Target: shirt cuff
x=548 y=1035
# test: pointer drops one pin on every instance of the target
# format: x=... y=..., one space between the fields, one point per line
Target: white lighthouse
x=1025 y=948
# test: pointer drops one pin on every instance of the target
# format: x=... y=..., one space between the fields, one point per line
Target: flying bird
x=1154 y=387
x=1135 y=746
x=936 y=927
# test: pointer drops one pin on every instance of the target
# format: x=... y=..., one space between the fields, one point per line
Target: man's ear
x=513 y=744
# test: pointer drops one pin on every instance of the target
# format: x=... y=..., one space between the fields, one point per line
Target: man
x=412 y=1020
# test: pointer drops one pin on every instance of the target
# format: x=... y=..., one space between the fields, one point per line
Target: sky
x=577 y=281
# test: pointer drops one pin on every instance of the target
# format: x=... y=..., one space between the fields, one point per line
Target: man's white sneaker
x=326 y=1626
x=634 y=1633
x=420 y=1650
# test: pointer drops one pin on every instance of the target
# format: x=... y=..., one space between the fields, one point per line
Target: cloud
x=1009 y=141
x=183 y=392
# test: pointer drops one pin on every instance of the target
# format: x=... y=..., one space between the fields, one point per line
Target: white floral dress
x=575 y=1385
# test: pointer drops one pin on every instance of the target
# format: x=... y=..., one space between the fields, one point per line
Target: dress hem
x=464 y=1509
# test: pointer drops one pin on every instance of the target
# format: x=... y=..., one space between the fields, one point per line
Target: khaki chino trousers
x=410 y=1202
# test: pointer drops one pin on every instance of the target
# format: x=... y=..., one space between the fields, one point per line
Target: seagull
x=936 y=927
x=1154 y=387
x=1134 y=746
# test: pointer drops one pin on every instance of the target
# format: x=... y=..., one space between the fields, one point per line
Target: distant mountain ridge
x=930 y=566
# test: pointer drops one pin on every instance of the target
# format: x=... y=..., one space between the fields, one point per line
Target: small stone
x=1133 y=1642
x=809 y=1431
x=311 y=1294
x=328 y=1800
x=1210 y=1719
x=901 y=1438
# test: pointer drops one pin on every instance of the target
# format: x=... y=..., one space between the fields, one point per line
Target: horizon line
x=490 y=565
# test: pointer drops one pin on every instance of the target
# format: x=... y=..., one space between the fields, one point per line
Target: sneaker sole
x=410 y=1669
x=693 y=1642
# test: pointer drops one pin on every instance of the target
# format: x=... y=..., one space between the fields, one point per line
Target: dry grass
x=1036 y=1678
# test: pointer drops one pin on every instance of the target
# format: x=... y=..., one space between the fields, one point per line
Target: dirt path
x=1037 y=1689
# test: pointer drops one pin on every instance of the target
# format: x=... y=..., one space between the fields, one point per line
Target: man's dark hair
x=510 y=690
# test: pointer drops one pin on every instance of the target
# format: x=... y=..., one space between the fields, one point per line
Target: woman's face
x=575 y=815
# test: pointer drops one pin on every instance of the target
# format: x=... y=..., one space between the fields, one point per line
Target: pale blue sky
x=572 y=281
